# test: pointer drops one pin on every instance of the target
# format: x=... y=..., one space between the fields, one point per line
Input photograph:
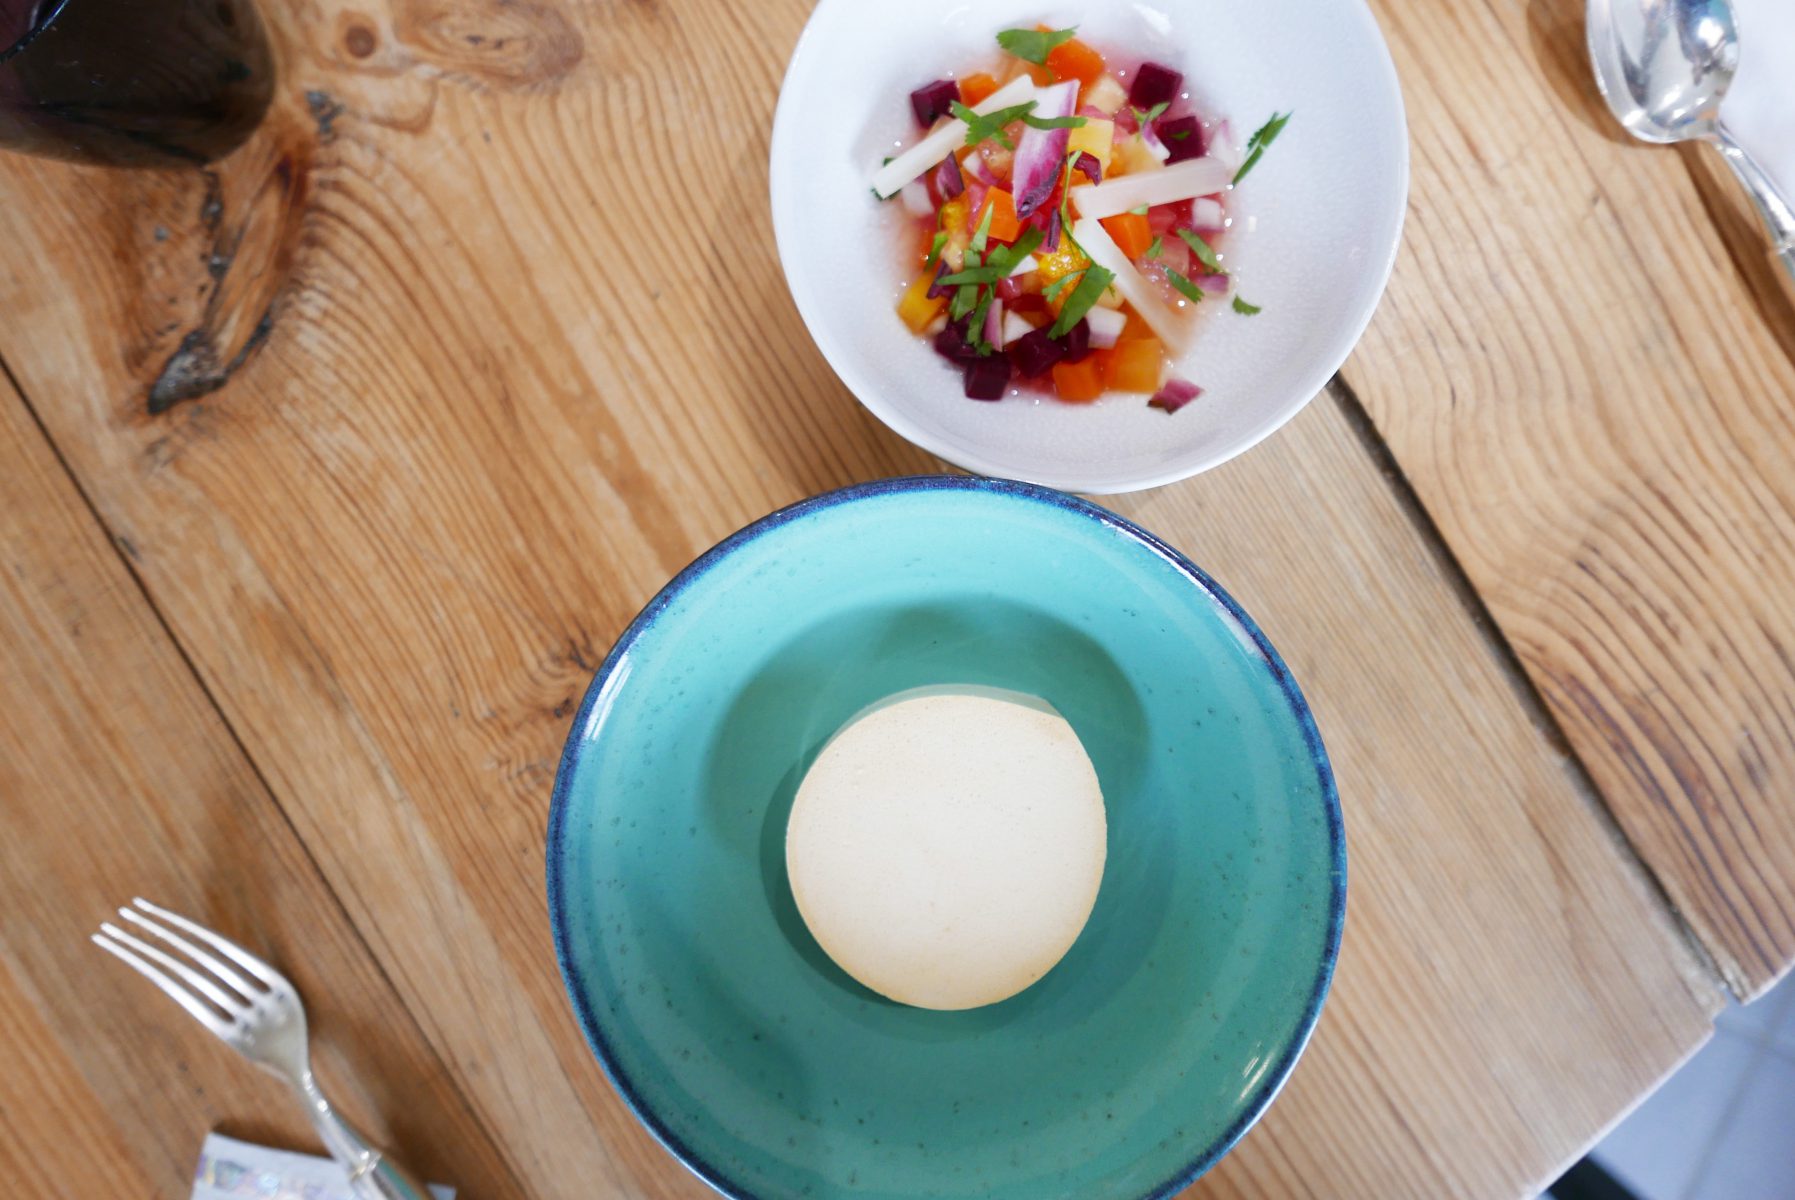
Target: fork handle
x=372 y=1176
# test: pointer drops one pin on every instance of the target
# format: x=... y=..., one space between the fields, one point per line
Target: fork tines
x=227 y=994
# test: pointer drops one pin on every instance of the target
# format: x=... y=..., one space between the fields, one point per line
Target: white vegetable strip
x=1106 y=326
x=1015 y=325
x=942 y=142
x=1182 y=181
x=1208 y=214
x=1172 y=329
x=916 y=198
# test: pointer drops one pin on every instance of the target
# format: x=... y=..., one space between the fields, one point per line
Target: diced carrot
x=1038 y=75
x=916 y=308
x=1134 y=365
x=1079 y=381
x=974 y=89
x=1075 y=60
x=1132 y=234
x=1136 y=327
x=1002 y=207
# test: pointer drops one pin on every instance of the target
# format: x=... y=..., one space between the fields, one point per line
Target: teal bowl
x=1131 y=1066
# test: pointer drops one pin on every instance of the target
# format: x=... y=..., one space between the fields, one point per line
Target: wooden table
x=327 y=475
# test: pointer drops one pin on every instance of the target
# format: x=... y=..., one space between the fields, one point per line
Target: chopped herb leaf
x=1007 y=257
x=1035 y=122
x=1034 y=45
x=975 y=326
x=1178 y=135
x=1204 y=254
x=1090 y=289
x=886 y=161
x=1154 y=250
x=1186 y=288
x=935 y=248
x=1245 y=309
x=986 y=274
x=1053 y=290
x=989 y=126
x=1139 y=210
x=1144 y=119
x=1262 y=137
x=983 y=232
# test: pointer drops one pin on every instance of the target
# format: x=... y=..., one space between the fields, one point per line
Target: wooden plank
x=1596 y=408
x=398 y=540
x=117 y=778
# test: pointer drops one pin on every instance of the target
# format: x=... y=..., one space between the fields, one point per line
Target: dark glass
x=132 y=82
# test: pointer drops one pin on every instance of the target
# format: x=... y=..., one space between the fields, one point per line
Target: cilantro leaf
x=975 y=326
x=935 y=248
x=1144 y=119
x=1033 y=45
x=1186 y=288
x=983 y=126
x=1034 y=122
x=1204 y=254
x=1262 y=137
x=1245 y=309
x=1153 y=251
x=1139 y=210
x=1090 y=289
x=983 y=232
x=1053 y=290
x=985 y=274
x=1008 y=256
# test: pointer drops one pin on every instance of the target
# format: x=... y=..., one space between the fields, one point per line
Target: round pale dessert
x=946 y=847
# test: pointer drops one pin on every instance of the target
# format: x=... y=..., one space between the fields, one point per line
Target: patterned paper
x=233 y=1170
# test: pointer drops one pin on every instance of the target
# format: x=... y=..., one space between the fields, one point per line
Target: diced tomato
x=1075 y=60
x=1080 y=381
x=1131 y=233
x=976 y=88
x=1133 y=365
x=1002 y=207
x=916 y=308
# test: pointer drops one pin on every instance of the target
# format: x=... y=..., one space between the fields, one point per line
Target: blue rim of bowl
x=585 y=1011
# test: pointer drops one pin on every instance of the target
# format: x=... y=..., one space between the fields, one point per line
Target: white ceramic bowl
x=1325 y=208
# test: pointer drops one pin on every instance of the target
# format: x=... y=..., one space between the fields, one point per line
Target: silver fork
x=253 y=1009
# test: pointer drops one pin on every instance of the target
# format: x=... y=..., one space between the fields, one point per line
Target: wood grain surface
x=396 y=428
x=1587 y=371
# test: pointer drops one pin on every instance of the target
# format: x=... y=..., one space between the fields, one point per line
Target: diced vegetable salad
x=1070 y=216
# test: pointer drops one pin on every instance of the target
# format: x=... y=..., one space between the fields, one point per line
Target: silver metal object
x=1664 y=66
x=251 y=1007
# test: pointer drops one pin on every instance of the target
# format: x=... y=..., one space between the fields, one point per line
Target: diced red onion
x=948 y=180
x=987 y=378
x=937 y=289
x=1212 y=285
x=1034 y=353
x=1041 y=151
x=1050 y=241
x=1207 y=215
x=994 y=323
x=1008 y=289
x=975 y=200
x=932 y=100
x=915 y=196
x=1183 y=136
x=1175 y=395
x=1015 y=327
x=979 y=169
x=1153 y=84
x=1106 y=326
x=1150 y=139
x=1087 y=163
x=1221 y=144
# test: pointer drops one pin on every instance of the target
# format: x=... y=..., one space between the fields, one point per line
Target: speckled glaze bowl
x=1138 y=1060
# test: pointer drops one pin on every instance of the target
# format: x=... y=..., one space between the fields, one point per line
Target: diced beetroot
x=1077 y=342
x=987 y=378
x=1183 y=136
x=1087 y=163
x=930 y=101
x=951 y=344
x=1153 y=84
x=1008 y=289
x=1175 y=395
x=948 y=180
x=1034 y=353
